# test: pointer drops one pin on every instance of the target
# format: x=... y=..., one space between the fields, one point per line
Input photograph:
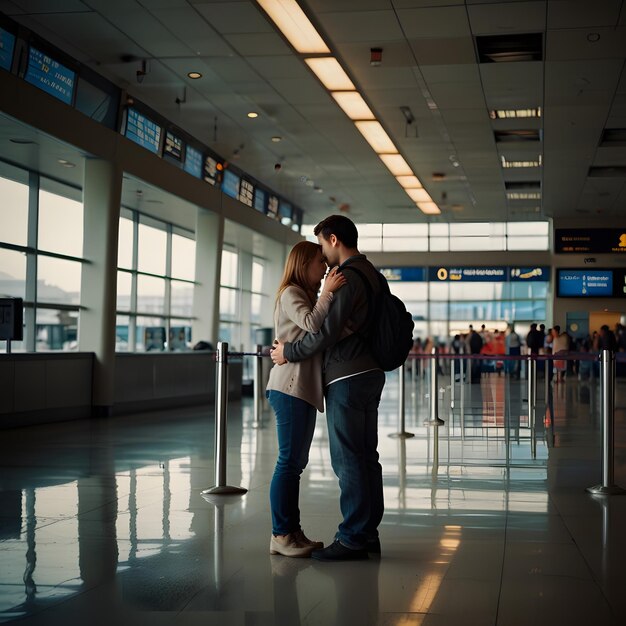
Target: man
x=513 y=348
x=475 y=345
x=353 y=384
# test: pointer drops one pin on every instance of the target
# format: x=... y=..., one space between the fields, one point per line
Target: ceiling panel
x=443 y=22
x=580 y=44
x=507 y=18
x=583 y=13
x=366 y=26
x=234 y=17
x=444 y=51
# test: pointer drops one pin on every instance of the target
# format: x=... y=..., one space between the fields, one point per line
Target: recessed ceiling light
x=330 y=73
x=521 y=164
x=503 y=114
x=65 y=163
x=396 y=164
x=253 y=114
x=194 y=75
x=276 y=139
x=22 y=142
x=376 y=136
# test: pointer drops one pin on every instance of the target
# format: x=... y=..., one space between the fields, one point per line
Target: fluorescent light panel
x=429 y=208
x=504 y=114
x=523 y=195
x=376 y=136
x=418 y=195
x=353 y=105
x=295 y=25
x=520 y=164
x=409 y=182
x=330 y=73
x=396 y=164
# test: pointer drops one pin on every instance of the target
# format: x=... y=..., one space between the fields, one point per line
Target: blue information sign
x=143 y=131
x=230 y=184
x=50 y=76
x=193 y=162
x=584 y=283
x=259 y=200
x=404 y=274
x=468 y=274
x=7 y=45
x=529 y=274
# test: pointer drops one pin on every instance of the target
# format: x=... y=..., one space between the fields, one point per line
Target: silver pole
x=607 y=384
x=8 y=346
x=221 y=400
x=413 y=373
x=452 y=392
x=462 y=384
x=434 y=392
x=257 y=391
x=403 y=434
x=532 y=402
x=546 y=382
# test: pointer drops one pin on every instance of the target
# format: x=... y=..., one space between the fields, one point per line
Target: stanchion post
x=434 y=392
x=221 y=401
x=532 y=402
x=402 y=433
x=257 y=388
x=607 y=384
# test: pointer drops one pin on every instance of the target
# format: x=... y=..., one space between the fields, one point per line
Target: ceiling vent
x=613 y=137
x=509 y=48
x=607 y=171
x=511 y=136
x=522 y=185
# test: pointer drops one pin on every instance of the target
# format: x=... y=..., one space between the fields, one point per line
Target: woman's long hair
x=296 y=268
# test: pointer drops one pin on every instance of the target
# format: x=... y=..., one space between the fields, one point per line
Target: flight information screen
x=193 y=162
x=143 y=130
x=230 y=184
x=50 y=76
x=584 y=283
x=173 y=146
x=7 y=45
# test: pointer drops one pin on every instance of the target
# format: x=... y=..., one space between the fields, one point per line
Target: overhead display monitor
x=590 y=240
x=230 y=184
x=7 y=46
x=143 y=130
x=193 y=161
x=246 y=192
x=210 y=173
x=260 y=199
x=577 y=283
x=173 y=147
x=404 y=274
x=285 y=212
x=272 y=206
x=50 y=76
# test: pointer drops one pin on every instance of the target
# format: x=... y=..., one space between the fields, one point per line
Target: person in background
x=560 y=347
x=295 y=391
x=475 y=345
x=513 y=348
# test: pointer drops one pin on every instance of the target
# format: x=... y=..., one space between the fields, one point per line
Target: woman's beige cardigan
x=293 y=317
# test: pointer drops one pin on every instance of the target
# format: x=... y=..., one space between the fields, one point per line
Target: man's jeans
x=295 y=425
x=352 y=415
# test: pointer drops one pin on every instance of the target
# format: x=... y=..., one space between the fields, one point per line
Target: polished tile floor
x=102 y=522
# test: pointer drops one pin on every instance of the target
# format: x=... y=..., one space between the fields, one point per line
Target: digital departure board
x=404 y=274
x=50 y=76
x=143 y=130
x=272 y=207
x=230 y=184
x=589 y=240
x=193 y=162
x=246 y=192
x=173 y=147
x=285 y=212
x=7 y=45
x=210 y=170
x=259 y=200
x=468 y=274
x=572 y=283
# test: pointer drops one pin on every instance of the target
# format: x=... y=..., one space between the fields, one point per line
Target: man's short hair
x=342 y=227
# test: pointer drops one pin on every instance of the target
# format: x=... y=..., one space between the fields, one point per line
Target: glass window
x=125 y=244
x=405 y=230
x=370 y=230
x=476 y=243
x=527 y=228
x=370 y=244
x=257 y=276
x=58 y=280
x=60 y=227
x=56 y=330
x=180 y=336
x=256 y=307
x=12 y=274
x=124 y=284
x=150 y=334
x=13 y=212
x=122 y=323
x=515 y=242
x=181 y=298
x=150 y=294
x=151 y=249
x=231 y=333
x=439 y=230
x=439 y=244
x=183 y=257
x=228 y=303
x=403 y=244
x=230 y=269
x=477 y=229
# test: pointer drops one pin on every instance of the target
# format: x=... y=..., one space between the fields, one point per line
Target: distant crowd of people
x=538 y=340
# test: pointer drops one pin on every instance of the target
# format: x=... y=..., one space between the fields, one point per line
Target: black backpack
x=389 y=327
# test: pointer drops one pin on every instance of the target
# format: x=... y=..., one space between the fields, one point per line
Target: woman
x=295 y=390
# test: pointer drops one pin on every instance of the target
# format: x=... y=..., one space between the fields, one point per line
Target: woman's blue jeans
x=295 y=425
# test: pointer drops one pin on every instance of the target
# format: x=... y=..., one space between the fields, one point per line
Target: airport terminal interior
x=158 y=161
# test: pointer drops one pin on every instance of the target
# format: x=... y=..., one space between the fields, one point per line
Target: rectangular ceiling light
x=510 y=48
x=376 y=136
x=396 y=164
x=295 y=26
x=353 y=105
x=517 y=136
x=500 y=114
x=418 y=195
x=409 y=182
x=520 y=164
x=330 y=74
x=428 y=208
x=523 y=195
